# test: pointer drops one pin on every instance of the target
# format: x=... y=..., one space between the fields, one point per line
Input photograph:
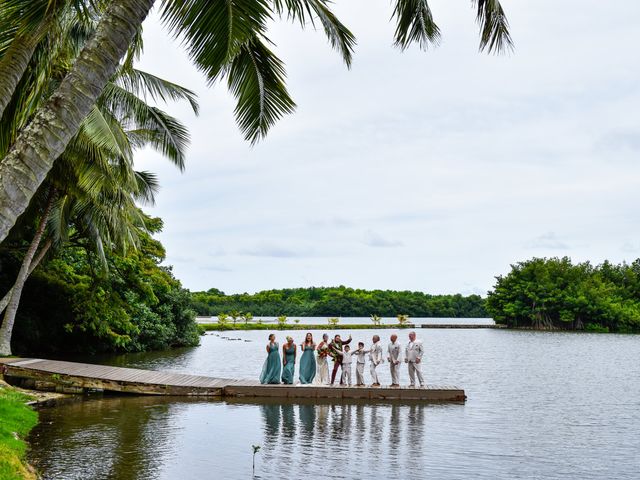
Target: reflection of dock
x=72 y=377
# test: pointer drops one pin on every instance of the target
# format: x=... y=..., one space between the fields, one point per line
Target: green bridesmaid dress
x=288 y=369
x=271 y=368
x=307 y=366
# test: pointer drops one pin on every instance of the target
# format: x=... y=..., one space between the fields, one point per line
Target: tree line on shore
x=554 y=293
x=339 y=301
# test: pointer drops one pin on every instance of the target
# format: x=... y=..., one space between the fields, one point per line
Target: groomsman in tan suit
x=394 y=360
x=413 y=357
x=375 y=357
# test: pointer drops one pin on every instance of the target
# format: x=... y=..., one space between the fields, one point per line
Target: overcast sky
x=430 y=171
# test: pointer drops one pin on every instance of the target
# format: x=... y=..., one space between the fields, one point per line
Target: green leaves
x=213 y=32
x=494 y=26
x=415 y=24
x=256 y=79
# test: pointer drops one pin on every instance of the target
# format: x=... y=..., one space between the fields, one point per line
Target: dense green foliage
x=16 y=420
x=555 y=294
x=72 y=303
x=341 y=301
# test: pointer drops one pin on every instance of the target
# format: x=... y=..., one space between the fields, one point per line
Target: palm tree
x=225 y=40
x=93 y=188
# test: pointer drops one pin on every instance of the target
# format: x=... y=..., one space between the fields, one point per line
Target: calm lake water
x=540 y=406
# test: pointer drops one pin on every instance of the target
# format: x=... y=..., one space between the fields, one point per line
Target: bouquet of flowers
x=323 y=351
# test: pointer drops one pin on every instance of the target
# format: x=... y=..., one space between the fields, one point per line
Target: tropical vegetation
x=339 y=301
x=554 y=293
x=72 y=303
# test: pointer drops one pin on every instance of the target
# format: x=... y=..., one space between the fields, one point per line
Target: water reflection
x=102 y=439
x=148 y=438
x=332 y=436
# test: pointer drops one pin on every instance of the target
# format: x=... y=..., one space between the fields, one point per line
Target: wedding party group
x=314 y=361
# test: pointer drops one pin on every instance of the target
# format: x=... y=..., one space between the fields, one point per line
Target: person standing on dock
x=346 y=366
x=288 y=361
x=413 y=357
x=335 y=349
x=322 y=369
x=360 y=359
x=308 y=360
x=271 y=369
x=375 y=358
x=394 y=360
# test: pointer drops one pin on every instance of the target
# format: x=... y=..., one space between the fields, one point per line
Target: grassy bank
x=16 y=420
x=297 y=326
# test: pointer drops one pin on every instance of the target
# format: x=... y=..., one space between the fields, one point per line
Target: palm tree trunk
x=12 y=308
x=34 y=264
x=29 y=160
x=13 y=65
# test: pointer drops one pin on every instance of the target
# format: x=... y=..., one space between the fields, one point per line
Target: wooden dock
x=72 y=377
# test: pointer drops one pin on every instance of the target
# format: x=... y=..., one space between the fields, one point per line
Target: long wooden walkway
x=72 y=377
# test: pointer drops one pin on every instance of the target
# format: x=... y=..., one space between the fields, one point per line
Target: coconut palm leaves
x=494 y=26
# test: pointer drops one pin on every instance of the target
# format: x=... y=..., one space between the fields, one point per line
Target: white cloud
x=548 y=241
x=373 y=239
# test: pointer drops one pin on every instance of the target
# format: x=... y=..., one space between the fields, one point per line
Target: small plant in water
x=247 y=317
x=297 y=321
x=234 y=314
x=376 y=319
x=256 y=449
x=282 y=321
x=222 y=319
x=333 y=321
x=403 y=320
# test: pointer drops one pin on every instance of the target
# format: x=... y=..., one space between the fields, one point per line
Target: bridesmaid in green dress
x=271 y=368
x=308 y=360
x=288 y=361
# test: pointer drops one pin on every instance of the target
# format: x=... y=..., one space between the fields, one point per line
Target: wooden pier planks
x=76 y=377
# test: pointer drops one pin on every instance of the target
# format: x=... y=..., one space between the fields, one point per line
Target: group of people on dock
x=314 y=362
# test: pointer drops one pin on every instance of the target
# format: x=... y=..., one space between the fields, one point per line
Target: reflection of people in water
x=271 y=420
x=310 y=427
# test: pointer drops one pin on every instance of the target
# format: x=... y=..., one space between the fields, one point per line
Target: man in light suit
x=413 y=357
x=394 y=360
x=375 y=356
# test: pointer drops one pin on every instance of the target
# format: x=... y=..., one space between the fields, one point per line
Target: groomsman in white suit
x=375 y=357
x=413 y=357
x=394 y=360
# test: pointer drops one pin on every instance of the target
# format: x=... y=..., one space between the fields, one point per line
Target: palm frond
x=148 y=186
x=171 y=137
x=139 y=82
x=339 y=36
x=415 y=24
x=256 y=78
x=107 y=133
x=494 y=26
x=213 y=32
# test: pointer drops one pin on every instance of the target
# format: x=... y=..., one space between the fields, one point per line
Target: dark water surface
x=541 y=406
